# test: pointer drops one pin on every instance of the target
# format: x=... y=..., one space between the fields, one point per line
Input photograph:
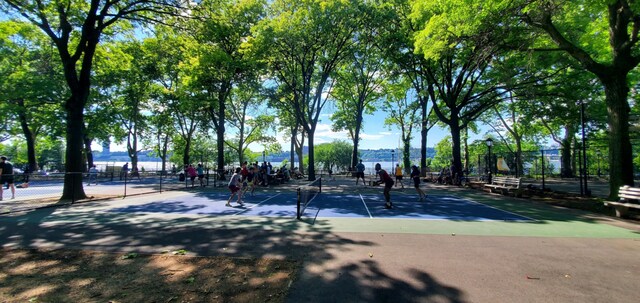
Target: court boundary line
x=506 y=211
x=365 y=206
x=528 y=219
x=254 y=205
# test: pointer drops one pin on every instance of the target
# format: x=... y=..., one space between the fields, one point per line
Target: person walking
x=93 y=175
x=360 y=173
x=399 y=175
x=388 y=183
x=124 y=171
x=235 y=186
x=415 y=175
x=6 y=176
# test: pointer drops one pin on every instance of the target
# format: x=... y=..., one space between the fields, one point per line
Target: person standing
x=191 y=172
x=200 y=172
x=399 y=175
x=235 y=186
x=388 y=183
x=360 y=173
x=93 y=175
x=415 y=175
x=124 y=171
x=6 y=176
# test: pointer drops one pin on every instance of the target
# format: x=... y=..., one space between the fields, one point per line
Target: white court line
x=254 y=205
x=365 y=206
x=489 y=206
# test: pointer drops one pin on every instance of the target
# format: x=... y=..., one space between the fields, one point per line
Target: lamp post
x=264 y=159
x=393 y=152
x=489 y=143
x=599 y=154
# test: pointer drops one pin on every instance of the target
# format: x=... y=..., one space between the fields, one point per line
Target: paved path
x=563 y=256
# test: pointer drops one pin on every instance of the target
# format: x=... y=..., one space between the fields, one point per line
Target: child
x=235 y=186
x=415 y=175
x=388 y=183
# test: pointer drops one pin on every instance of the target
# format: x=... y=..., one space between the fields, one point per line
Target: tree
x=31 y=85
x=222 y=30
x=403 y=113
x=307 y=40
x=335 y=154
x=399 y=31
x=464 y=56
x=76 y=29
x=602 y=36
x=251 y=128
x=359 y=79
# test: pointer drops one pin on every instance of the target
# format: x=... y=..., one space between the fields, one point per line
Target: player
x=399 y=175
x=415 y=175
x=250 y=181
x=360 y=173
x=235 y=186
x=388 y=183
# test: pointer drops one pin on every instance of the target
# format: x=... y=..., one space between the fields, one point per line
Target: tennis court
x=323 y=204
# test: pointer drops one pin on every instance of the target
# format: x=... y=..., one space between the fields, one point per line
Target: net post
x=320 y=185
x=298 y=204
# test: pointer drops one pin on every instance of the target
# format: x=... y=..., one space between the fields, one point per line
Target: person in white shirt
x=235 y=186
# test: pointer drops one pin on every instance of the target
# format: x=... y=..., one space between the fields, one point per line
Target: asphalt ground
x=559 y=255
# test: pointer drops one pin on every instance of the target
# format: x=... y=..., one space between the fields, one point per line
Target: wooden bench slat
x=625 y=193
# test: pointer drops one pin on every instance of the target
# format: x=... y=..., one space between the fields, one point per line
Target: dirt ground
x=87 y=276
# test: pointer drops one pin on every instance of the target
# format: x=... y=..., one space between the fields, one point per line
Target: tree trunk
x=356 y=141
x=620 y=151
x=29 y=138
x=423 y=139
x=455 y=145
x=293 y=148
x=466 y=149
x=186 y=156
x=74 y=108
x=312 y=169
x=567 y=163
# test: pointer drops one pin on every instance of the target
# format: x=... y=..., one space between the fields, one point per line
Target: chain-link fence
x=577 y=170
x=32 y=190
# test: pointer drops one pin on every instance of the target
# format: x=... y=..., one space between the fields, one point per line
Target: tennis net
x=306 y=194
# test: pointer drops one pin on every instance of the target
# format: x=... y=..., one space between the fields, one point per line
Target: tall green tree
x=76 y=28
x=602 y=36
x=222 y=30
x=249 y=121
x=31 y=85
x=359 y=78
x=402 y=112
x=306 y=42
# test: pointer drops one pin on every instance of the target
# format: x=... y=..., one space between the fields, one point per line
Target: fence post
x=542 y=164
x=125 y=184
x=580 y=171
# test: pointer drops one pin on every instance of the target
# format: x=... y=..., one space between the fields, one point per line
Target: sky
x=374 y=135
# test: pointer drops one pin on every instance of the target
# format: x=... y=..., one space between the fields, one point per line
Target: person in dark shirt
x=6 y=176
x=388 y=183
x=415 y=175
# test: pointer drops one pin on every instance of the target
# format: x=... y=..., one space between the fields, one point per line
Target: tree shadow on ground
x=238 y=237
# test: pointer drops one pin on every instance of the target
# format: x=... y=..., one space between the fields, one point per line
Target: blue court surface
x=324 y=205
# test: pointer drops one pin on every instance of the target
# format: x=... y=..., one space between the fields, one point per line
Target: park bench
x=505 y=185
x=626 y=193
